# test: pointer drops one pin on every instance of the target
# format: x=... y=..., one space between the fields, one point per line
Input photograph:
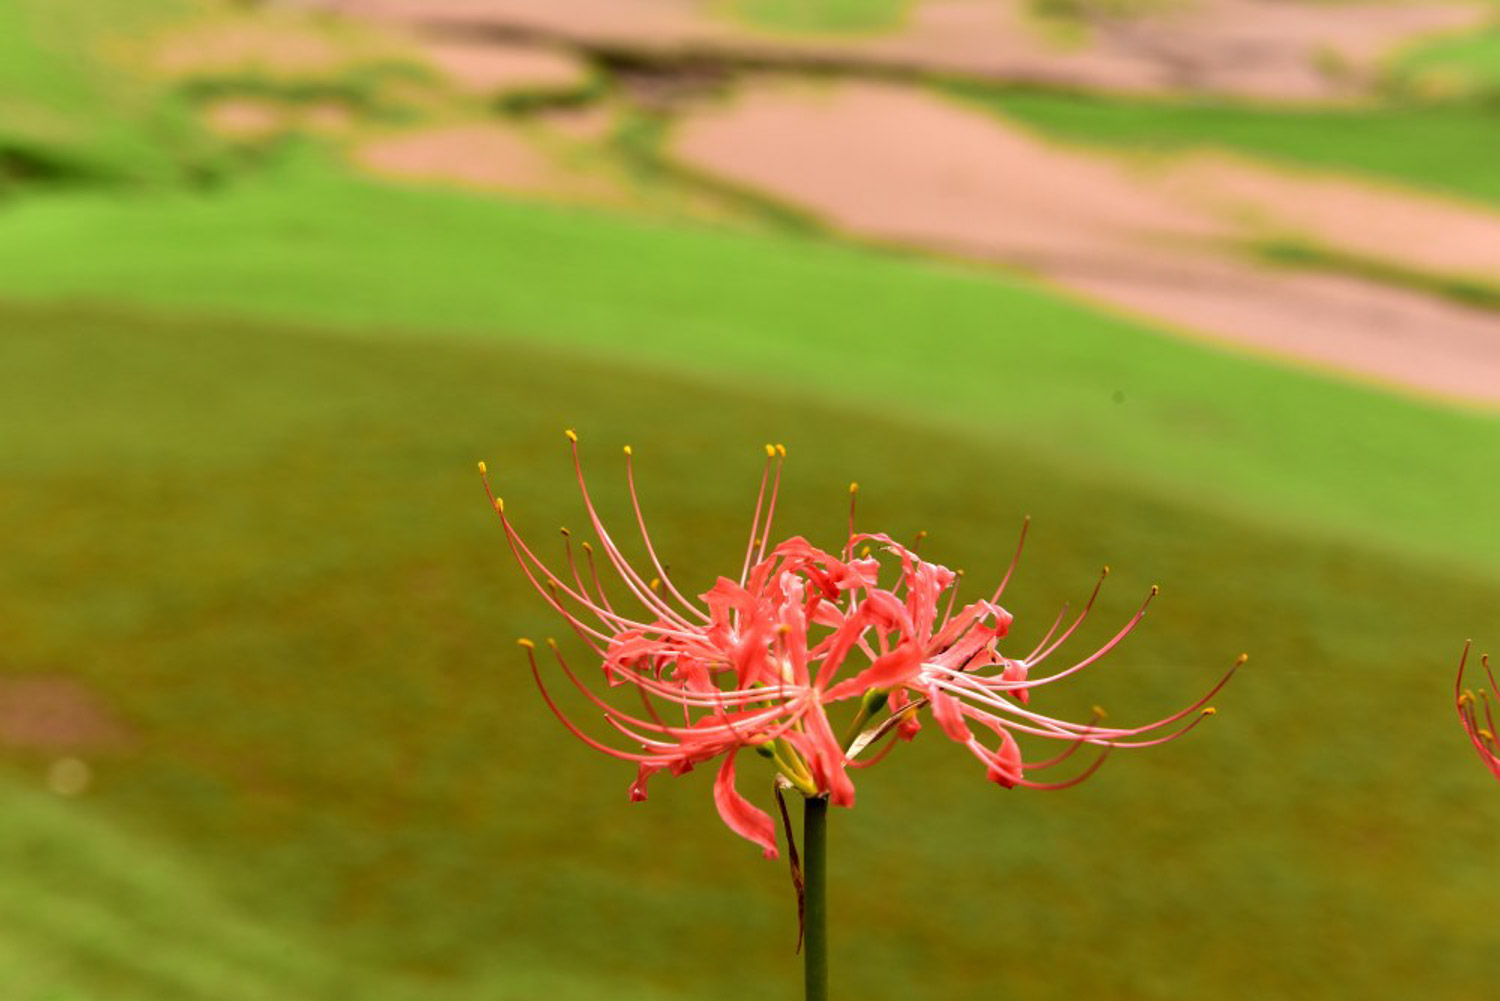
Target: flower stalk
x=815 y=884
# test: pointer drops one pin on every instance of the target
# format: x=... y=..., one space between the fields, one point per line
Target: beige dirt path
x=1268 y=49
x=483 y=156
x=900 y=166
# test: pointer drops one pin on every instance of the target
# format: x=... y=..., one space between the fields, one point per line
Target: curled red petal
x=742 y=817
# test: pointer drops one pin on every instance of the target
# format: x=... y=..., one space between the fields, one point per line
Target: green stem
x=815 y=879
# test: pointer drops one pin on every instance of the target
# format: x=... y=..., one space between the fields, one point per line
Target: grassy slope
x=68 y=112
x=1444 y=147
x=820 y=16
x=1464 y=64
x=994 y=361
x=266 y=548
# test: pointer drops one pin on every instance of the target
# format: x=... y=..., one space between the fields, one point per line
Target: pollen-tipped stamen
x=640 y=520
x=633 y=580
x=760 y=499
x=1037 y=658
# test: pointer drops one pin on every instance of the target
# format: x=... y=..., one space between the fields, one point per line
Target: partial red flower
x=759 y=660
x=1476 y=713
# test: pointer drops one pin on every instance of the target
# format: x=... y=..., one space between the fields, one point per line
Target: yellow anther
x=1210 y=711
x=656 y=583
x=781 y=450
x=770 y=451
x=587 y=547
x=523 y=641
x=922 y=534
x=1241 y=659
x=1105 y=572
x=1466 y=698
x=572 y=435
x=552 y=642
x=1099 y=713
x=1484 y=660
x=783 y=629
x=854 y=488
x=865 y=551
x=500 y=504
x=628 y=450
x=1155 y=590
x=482 y=468
x=1486 y=735
x=959 y=572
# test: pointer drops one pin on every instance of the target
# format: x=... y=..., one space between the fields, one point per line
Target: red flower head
x=760 y=660
x=1475 y=713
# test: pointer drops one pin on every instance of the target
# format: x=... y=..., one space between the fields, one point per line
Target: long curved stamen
x=1113 y=642
x=1093 y=767
x=958 y=579
x=685 y=697
x=673 y=731
x=633 y=580
x=1030 y=658
x=1015 y=561
x=765 y=533
x=528 y=559
x=959 y=684
x=1071 y=749
x=588 y=555
x=849 y=543
x=640 y=519
x=1088 y=606
x=760 y=497
x=572 y=728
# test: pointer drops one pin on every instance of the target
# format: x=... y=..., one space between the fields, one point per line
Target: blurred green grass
x=1465 y=65
x=266 y=548
x=837 y=17
x=960 y=351
x=74 y=109
x=1439 y=146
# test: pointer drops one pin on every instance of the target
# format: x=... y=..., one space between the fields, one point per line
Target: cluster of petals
x=759 y=660
x=1476 y=714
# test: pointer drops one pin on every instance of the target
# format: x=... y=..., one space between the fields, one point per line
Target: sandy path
x=1385 y=223
x=53 y=712
x=488 y=69
x=898 y=165
x=1251 y=48
x=484 y=156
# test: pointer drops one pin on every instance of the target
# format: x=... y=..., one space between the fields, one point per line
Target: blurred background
x=1209 y=288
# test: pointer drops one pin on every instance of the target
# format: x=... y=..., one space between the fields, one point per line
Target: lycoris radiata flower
x=1476 y=715
x=759 y=660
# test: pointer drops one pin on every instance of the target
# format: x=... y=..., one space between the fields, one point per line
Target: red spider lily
x=758 y=661
x=1475 y=713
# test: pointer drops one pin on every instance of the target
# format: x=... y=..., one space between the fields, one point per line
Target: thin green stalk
x=815 y=877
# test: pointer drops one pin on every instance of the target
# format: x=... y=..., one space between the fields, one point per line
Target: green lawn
x=1459 y=65
x=265 y=547
x=71 y=113
x=957 y=351
x=835 y=17
x=1443 y=147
